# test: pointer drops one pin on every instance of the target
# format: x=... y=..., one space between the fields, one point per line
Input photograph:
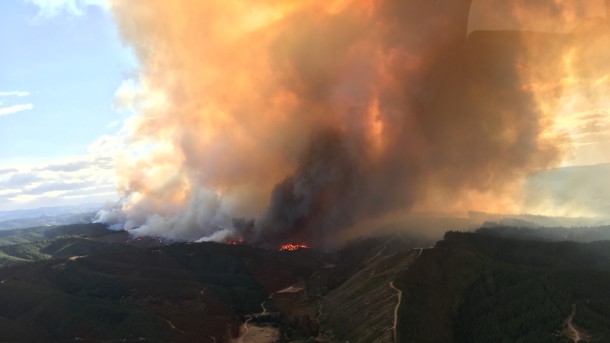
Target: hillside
x=82 y=282
x=492 y=285
x=483 y=288
x=49 y=232
x=41 y=243
x=173 y=293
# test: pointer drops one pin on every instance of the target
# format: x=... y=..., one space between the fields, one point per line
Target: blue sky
x=61 y=64
x=71 y=65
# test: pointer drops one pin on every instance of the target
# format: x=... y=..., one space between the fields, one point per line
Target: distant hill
x=60 y=215
x=41 y=233
x=45 y=242
x=570 y=190
x=64 y=219
x=534 y=220
x=578 y=234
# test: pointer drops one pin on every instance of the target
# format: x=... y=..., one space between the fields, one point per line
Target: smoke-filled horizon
x=291 y=121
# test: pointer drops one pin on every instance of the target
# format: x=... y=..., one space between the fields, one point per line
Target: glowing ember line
x=293 y=247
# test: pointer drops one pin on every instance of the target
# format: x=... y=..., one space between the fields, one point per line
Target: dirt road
x=263 y=334
x=399 y=293
x=396 y=309
x=570 y=330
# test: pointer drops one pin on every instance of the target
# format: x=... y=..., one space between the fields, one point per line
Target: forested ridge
x=486 y=287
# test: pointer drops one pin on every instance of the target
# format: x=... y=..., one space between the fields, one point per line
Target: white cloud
x=111 y=125
x=4 y=192
x=15 y=108
x=66 y=181
x=6 y=171
x=22 y=198
x=53 y=8
x=14 y=93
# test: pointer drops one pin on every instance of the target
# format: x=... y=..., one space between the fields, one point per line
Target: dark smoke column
x=335 y=184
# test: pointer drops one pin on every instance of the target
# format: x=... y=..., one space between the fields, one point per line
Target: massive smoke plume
x=278 y=120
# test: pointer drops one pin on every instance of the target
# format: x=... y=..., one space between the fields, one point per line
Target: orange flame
x=293 y=247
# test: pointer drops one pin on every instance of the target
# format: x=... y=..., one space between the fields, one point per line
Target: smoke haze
x=278 y=121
